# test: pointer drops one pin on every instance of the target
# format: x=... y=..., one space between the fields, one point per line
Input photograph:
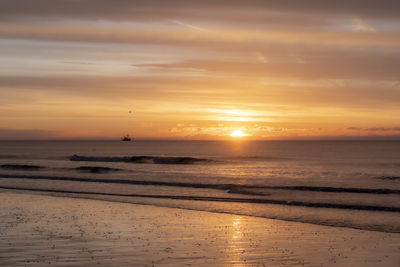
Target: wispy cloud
x=359 y=25
x=375 y=129
x=190 y=26
x=153 y=9
x=27 y=134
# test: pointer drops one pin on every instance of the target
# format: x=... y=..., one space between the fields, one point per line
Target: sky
x=182 y=69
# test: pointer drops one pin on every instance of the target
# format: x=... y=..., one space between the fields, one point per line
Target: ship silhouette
x=127 y=138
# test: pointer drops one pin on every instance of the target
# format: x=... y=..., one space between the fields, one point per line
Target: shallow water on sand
x=44 y=230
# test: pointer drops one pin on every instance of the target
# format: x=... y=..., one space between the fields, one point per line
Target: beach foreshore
x=38 y=230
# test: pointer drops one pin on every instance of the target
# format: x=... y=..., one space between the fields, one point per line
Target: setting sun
x=238 y=133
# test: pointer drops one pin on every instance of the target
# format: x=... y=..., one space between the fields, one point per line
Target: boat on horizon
x=127 y=138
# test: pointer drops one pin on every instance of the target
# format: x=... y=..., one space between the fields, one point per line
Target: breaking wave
x=96 y=169
x=392 y=178
x=20 y=167
x=141 y=159
x=224 y=199
x=233 y=188
x=274 y=203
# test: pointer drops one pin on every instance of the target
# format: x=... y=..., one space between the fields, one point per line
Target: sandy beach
x=38 y=230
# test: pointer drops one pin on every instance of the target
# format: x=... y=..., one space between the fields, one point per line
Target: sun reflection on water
x=237 y=251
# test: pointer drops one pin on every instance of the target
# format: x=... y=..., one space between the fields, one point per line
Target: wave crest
x=96 y=169
x=20 y=167
x=392 y=178
x=141 y=159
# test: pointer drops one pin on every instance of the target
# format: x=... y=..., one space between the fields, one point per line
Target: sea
x=353 y=184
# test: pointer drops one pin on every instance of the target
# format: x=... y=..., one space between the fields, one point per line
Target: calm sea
x=353 y=184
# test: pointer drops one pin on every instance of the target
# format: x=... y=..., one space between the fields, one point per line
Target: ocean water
x=354 y=184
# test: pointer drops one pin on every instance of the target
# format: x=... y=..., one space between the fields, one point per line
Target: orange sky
x=199 y=69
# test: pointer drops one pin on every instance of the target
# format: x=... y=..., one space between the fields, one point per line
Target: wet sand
x=38 y=230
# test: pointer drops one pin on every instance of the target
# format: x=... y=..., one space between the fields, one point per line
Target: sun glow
x=238 y=133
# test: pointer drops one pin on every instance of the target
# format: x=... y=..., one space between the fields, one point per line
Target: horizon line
x=382 y=138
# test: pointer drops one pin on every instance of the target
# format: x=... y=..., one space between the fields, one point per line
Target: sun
x=238 y=133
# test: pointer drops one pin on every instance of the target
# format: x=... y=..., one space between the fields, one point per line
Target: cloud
x=155 y=9
x=344 y=137
x=225 y=37
x=27 y=134
x=361 y=26
x=332 y=64
x=376 y=129
x=383 y=129
x=190 y=26
x=206 y=91
x=81 y=64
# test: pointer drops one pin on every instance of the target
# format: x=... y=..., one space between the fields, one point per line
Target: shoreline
x=40 y=229
x=266 y=211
